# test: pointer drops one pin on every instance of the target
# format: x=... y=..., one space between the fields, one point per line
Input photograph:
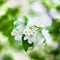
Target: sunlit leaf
x=25 y=20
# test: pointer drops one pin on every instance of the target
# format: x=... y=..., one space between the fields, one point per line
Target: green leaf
x=7 y=57
x=38 y=28
x=1 y=46
x=18 y=23
x=2 y=2
x=25 y=20
x=25 y=43
x=58 y=8
x=24 y=23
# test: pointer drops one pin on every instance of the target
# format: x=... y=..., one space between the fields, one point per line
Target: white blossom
x=56 y=1
x=17 y=33
x=32 y=35
x=18 y=30
x=14 y=32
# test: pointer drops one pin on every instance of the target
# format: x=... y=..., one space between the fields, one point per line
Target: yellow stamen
x=31 y=35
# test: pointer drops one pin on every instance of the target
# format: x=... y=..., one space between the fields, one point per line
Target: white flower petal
x=29 y=41
x=25 y=38
x=18 y=37
x=14 y=32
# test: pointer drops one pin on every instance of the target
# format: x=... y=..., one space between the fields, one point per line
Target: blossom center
x=31 y=36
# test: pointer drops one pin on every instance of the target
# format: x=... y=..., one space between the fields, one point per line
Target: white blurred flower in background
x=54 y=13
x=38 y=7
x=3 y=39
x=56 y=1
x=44 y=19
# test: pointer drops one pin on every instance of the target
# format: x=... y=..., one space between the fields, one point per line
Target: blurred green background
x=11 y=49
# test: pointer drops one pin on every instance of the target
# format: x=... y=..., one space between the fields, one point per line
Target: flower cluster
x=32 y=33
